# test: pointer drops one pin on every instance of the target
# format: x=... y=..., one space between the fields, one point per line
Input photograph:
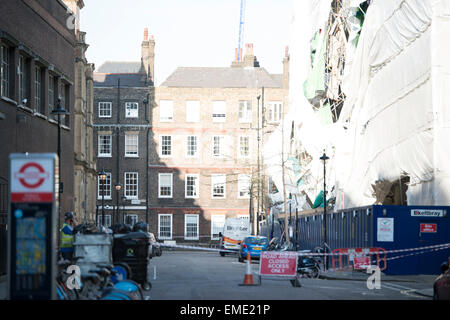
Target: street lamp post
x=102 y=176
x=123 y=208
x=118 y=187
x=324 y=158
x=59 y=112
x=259 y=174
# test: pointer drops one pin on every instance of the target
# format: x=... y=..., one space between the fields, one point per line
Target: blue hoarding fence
x=392 y=228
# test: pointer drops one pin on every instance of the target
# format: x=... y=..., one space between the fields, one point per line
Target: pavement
x=3 y=288
x=362 y=276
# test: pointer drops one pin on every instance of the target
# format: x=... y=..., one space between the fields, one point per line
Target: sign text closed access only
x=278 y=263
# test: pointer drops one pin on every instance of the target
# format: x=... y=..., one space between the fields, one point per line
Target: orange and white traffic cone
x=248 y=278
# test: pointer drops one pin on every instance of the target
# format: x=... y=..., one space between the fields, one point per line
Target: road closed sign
x=32 y=179
x=278 y=264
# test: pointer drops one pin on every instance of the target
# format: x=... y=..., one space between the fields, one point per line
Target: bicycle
x=62 y=291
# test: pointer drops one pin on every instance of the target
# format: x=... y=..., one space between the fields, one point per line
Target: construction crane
x=241 y=31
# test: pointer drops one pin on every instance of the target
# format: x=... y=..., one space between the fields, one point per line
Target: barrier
x=358 y=258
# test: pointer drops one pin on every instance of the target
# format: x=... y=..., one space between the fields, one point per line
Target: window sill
x=218 y=198
x=26 y=109
x=192 y=239
x=105 y=198
x=104 y=156
x=11 y=101
x=65 y=127
x=130 y=156
x=163 y=197
x=40 y=115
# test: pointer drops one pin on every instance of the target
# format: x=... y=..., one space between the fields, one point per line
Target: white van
x=235 y=230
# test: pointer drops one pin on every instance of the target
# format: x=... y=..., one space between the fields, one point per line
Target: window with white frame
x=218 y=146
x=105 y=109
x=107 y=222
x=164 y=226
x=23 y=78
x=275 y=111
x=218 y=184
x=217 y=224
x=245 y=111
x=165 y=143
x=131 y=109
x=131 y=219
x=191 y=227
x=191 y=185
x=165 y=182
x=219 y=111
x=4 y=70
x=51 y=92
x=104 y=187
x=244 y=186
x=192 y=146
x=165 y=110
x=38 y=90
x=192 y=111
x=131 y=185
x=104 y=145
x=244 y=146
x=131 y=145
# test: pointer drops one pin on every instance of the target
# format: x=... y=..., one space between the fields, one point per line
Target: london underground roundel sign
x=32 y=175
x=32 y=179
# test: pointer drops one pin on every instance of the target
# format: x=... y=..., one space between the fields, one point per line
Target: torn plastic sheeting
x=403 y=99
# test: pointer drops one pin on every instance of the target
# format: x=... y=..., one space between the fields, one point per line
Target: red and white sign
x=32 y=180
x=428 y=227
x=278 y=263
x=360 y=263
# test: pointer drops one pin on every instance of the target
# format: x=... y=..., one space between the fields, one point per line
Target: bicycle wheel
x=115 y=294
x=131 y=287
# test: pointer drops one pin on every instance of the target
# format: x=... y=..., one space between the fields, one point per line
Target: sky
x=188 y=33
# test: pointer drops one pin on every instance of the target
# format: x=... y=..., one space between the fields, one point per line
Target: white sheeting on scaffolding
x=395 y=108
x=309 y=16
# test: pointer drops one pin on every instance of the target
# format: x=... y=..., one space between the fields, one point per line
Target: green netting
x=319 y=200
x=316 y=79
x=324 y=114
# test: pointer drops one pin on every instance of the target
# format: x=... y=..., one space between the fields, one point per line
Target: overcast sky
x=188 y=33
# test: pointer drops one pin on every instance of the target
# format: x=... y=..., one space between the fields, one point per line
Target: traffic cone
x=248 y=278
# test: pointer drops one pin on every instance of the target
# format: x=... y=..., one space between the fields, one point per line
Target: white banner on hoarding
x=385 y=230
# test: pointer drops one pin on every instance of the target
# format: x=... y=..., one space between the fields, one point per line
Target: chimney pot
x=287 y=52
x=146 y=34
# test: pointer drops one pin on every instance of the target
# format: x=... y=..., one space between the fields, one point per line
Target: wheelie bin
x=133 y=249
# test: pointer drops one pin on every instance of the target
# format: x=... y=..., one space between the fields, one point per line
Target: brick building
x=122 y=91
x=184 y=153
x=203 y=148
x=37 y=66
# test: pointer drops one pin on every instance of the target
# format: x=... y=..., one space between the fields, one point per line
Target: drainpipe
x=146 y=104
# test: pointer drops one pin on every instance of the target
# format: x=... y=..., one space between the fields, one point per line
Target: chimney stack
x=286 y=68
x=148 y=56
